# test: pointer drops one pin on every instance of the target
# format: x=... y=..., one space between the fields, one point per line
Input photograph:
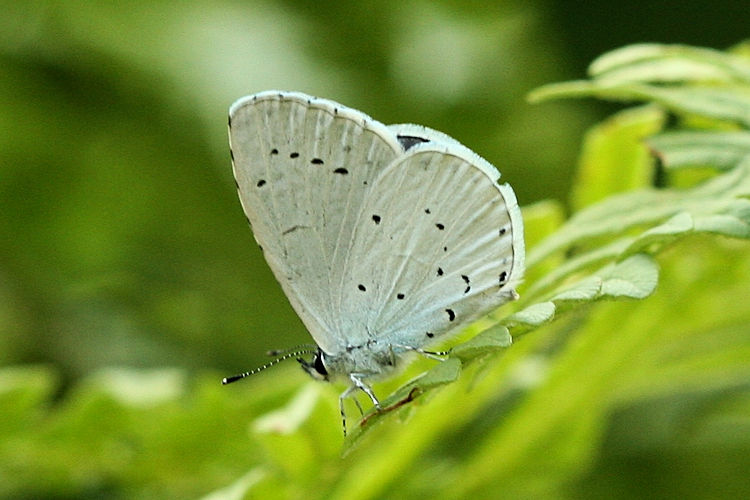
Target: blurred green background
x=122 y=242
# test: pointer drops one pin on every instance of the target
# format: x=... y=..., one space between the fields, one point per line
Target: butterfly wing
x=303 y=167
x=438 y=244
x=369 y=241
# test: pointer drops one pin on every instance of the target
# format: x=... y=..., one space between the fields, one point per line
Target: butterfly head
x=316 y=367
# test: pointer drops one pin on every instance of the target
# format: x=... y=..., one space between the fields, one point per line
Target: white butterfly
x=384 y=238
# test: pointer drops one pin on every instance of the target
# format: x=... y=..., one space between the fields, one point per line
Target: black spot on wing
x=400 y=296
x=361 y=287
x=376 y=218
x=430 y=334
x=440 y=226
x=451 y=314
x=274 y=151
x=294 y=155
x=341 y=170
x=503 y=277
x=440 y=271
x=409 y=141
x=261 y=183
x=316 y=161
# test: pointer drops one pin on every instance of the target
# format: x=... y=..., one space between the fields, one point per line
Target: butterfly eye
x=318 y=364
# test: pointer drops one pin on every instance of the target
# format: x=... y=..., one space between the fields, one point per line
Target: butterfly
x=385 y=239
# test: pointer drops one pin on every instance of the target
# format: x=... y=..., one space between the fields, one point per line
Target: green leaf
x=585 y=290
x=646 y=208
x=488 y=341
x=728 y=225
x=614 y=157
x=662 y=234
x=687 y=81
x=717 y=149
x=669 y=63
x=533 y=316
x=730 y=103
x=541 y=219
x=575 y=265
x=633 y=278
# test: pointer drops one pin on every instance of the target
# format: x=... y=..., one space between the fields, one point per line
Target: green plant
x=600 y=395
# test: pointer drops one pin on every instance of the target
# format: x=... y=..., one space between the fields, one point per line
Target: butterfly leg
x=342 y=397
x=360 y=384
x=359 y=406
x=428 y=354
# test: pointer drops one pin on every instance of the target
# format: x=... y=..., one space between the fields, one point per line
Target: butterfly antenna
x=300 y=349
x=287 y=355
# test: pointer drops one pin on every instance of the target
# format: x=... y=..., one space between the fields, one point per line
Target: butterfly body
x=371 y=360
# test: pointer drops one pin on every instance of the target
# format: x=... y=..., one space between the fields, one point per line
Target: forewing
x=303 y=167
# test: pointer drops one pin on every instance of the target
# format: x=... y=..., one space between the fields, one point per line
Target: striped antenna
x=307 y=349
x=302 y=348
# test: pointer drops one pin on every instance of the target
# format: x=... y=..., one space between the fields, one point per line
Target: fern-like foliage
x=606 y=250
x=622 y=372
